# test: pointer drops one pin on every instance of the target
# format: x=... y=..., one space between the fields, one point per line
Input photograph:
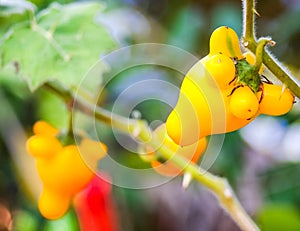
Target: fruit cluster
x=223 y=92
x=64 y=170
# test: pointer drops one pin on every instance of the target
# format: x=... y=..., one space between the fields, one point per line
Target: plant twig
x=248 y=19
x=219 y=186
x=250 y=43
x=141 y=131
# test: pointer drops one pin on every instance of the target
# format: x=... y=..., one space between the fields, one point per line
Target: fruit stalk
x=219 y=186
x=250 y=43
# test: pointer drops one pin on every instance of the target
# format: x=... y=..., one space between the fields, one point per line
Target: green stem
x=219 y=186
x=121 y=123
x=250 y=42
x=80 y=103
x=282 y=73
x=61 y=93
x=262 y=42
x=141 y=131
x=248 y=19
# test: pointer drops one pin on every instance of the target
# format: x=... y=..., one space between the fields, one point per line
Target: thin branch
x=290 y=81
x=262 y=42
x=219 y=186
x=121 y=123
x=61 y=93
x=248 y=19
x=141 y=131
x=250 y=43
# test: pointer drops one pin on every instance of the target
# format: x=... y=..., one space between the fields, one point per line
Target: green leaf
x=279 y=217
x=11 y=81
x=53 y=110
x=62 y=44
x=67 y=223
x=15 y=7
x=25 y=221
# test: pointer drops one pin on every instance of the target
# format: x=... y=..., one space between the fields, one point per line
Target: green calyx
x=66 y=139
x=248 y=75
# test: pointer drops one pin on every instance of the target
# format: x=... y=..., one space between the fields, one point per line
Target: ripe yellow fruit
x=275 y=100
x=243 y=103
x=224 y=40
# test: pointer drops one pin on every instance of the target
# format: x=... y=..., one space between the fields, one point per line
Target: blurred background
x=261 y=161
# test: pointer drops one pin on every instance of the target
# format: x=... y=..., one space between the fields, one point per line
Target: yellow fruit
x=243 y=103
x=224 y=40
x=275 y=101
x=42 y=127
x=53 y=205
x=43 y=146
x=222 y=69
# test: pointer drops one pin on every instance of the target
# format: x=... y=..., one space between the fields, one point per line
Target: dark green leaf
x=62 y=44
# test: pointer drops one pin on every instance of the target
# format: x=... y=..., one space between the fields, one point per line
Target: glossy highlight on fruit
x=43 y=146
x=43 y=128
x=222 y=69
x=191 y=118
x=202 y=108
x=276 y=100
x=243 y=103
x=223 y=92
x=224 y=40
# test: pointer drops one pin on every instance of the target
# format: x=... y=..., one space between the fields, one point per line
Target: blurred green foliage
x=279 y=217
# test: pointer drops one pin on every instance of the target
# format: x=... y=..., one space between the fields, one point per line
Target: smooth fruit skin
x=192 y=152
x=190 y=120
x=43 y=146
x=233 y=123
x=43 y=128
x=224 y=40
x=53 y=205
x=275 y=101
x=222 y=69
x=201 y=110
x=243 y=103
x=64 y=171
x=63 y=176
x=44 y=142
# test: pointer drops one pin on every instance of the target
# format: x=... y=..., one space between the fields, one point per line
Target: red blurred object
x=5 y=218
x=95 y=207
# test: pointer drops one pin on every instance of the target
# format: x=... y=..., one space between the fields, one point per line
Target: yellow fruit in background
x=275 y=100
